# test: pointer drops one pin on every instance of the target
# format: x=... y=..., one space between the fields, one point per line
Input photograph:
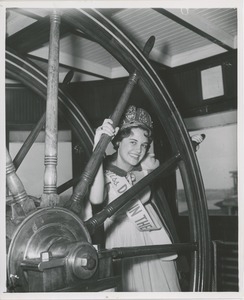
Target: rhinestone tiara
x=136 y=116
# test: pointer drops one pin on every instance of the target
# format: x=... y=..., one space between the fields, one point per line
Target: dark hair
x=126 y=132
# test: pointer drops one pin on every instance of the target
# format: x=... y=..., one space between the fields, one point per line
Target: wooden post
x=21 y=204
x=50 y=197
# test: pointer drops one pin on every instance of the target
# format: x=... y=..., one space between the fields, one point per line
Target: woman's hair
x=126 y=132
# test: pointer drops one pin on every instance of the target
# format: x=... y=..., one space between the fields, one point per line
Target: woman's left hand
x=149 y=162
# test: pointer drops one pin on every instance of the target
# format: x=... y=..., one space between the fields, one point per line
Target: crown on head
x=136 y=116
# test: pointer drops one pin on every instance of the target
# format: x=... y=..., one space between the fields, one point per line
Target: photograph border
x=113 y=4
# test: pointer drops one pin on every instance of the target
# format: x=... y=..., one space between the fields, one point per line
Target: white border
x=121 y=4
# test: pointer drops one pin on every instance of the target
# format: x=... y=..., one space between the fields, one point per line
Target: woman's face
x=132 y=149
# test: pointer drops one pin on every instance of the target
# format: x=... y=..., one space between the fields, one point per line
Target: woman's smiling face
x=132 y=149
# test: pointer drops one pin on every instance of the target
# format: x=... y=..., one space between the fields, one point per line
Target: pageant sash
x=137 y=213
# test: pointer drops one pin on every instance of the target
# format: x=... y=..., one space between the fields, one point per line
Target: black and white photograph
x=121 y=126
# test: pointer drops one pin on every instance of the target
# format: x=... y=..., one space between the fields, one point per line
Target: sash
x=137 y=213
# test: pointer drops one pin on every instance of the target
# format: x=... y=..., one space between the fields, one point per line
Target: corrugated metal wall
x=23 y=106
x=226 y=266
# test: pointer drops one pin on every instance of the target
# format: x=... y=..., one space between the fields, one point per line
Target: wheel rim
x=111 y=38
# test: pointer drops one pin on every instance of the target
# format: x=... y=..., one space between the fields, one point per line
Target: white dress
x=140 y=274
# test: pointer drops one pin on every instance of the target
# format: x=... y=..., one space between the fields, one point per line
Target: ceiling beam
x=26 y=13
x=68 y=66
x=31 y=37
x=110 y=12
x=37 y=35
x=200 y=26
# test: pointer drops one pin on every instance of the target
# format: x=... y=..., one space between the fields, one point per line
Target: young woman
x=137 y=224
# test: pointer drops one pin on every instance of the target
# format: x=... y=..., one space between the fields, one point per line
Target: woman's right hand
x=149 y=162
x=107 y=128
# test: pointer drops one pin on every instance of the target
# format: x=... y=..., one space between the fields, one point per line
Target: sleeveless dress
x=155 y=273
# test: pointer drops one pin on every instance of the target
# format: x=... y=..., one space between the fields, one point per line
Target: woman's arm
x=97 y=188
x=148 y=164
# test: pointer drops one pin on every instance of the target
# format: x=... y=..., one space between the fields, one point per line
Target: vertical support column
x=21 y=204
x=50 y=197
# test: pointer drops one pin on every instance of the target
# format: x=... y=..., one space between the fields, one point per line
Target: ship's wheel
x=51 y=230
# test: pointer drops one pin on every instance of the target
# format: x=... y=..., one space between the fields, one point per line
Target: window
x=217 y=158
x=212 y=83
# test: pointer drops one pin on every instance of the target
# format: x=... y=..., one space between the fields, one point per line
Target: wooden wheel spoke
x=169 y=249
x=97 y=156
x=72 y=182
x=163 y=170
x=66 y=185
x=29 y=142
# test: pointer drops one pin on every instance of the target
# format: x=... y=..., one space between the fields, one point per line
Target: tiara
x=136 y=116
